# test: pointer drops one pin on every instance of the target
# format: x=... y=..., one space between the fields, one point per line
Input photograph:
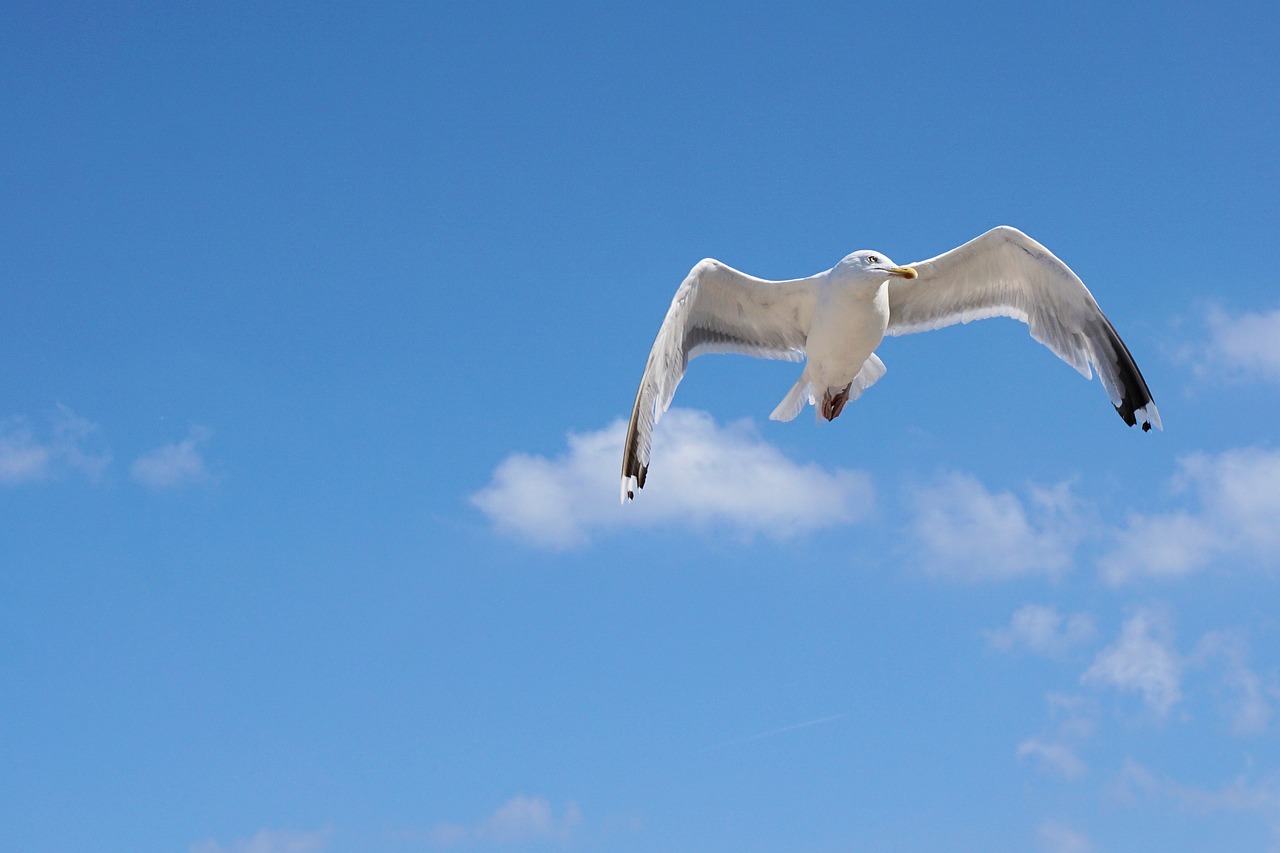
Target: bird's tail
x=800 y=394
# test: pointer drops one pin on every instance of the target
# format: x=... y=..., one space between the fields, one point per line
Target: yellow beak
x=905 y=272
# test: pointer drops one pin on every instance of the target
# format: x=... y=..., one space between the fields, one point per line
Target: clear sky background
x=319 y=324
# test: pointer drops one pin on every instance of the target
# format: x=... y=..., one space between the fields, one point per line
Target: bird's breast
x=848 y=324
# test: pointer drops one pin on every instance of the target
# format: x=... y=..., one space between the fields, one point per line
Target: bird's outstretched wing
x=715 y=309
x=1004 y=273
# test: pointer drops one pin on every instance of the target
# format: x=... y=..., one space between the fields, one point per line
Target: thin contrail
x=773 y=732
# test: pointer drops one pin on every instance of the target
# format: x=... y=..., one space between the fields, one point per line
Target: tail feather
x=803 y=391
x=800 y=394
x=872 y=369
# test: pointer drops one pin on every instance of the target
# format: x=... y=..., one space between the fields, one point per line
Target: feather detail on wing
x=715 y=309
x=1004 y=273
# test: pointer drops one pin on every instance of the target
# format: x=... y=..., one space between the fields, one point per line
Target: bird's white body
x=848 y=325
x=835 y=320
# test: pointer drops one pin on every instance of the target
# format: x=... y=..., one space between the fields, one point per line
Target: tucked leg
x=833 y=404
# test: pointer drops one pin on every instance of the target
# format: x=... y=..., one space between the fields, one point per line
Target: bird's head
x=868 y=264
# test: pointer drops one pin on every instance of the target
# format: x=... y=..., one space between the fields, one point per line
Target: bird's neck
x=842 y=284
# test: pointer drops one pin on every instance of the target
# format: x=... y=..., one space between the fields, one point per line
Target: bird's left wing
x=715 y=309
x=1004 y=273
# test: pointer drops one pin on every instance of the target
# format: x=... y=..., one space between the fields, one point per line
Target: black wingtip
x=1135 y=395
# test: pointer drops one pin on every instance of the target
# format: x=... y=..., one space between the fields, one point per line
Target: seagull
x=833 y=322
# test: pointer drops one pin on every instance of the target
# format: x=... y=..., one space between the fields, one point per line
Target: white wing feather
x=715 y=309
x=1005 y=273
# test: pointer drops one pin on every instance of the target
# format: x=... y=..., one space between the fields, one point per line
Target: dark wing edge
x=634 y=470
x=1129 y=392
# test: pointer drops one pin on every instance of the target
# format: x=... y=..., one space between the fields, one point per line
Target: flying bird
x=833 y=322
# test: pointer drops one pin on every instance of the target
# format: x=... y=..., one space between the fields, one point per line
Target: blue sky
x=320 y=326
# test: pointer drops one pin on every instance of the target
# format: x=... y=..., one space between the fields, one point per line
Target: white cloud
x=704 y=475
x=1245 y=698
x=963 y=530
x=270 y=841
x=1236 y=515
x=448 y=834
x=173 y=465
x=1166 y=546
x=1054 y=758
x=1059 y=838
x=1041 y=629
x=521 y=819
x=22 y=458
x=1142 y=660
x=1229 y=512
x=1248 y=344
x=1241 y=795
x=1238 y=795
x=27 y=458
x=1074 y=718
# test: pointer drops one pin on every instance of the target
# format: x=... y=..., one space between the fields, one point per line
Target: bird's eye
x=873 y=259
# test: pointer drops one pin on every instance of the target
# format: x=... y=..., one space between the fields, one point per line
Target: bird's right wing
x=715 y=309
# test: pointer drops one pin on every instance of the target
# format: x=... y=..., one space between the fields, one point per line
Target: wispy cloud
x=963 y=530
x=705 y=475
x=1227 y=510
x=1235 y=512
x=1057 y=837
x=173 y=465
x=1142 y=660
x=1245 y=697
x=521 y=819
x=1074 y=716
x=270 y=841
x=1043 y=630
x=1052 y=757
x=26 y=456
x=1057 y=753
x=1242 y=794
x=1246 y=344
x=22 y=457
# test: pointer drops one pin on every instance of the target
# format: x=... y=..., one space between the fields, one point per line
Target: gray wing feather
x=1004 y=273
x=716 y=309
